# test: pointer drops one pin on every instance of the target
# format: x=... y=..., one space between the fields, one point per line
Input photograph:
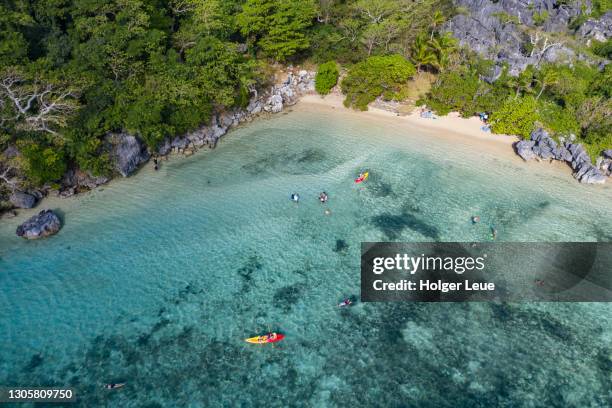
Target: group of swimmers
x=323 y=197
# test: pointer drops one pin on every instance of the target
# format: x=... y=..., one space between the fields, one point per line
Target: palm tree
x=444 y=46
x=436 y=21
x=422 y=54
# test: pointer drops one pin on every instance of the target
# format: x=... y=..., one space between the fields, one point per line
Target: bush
x=517 y=116
x=603 y=49
x=376 y=76
x=43 y=163
x=557 y=119
x=540 y=18
x=453 y=91
x=327 y=77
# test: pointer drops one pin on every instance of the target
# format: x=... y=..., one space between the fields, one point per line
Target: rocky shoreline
x=541 y=146
x=128 y=152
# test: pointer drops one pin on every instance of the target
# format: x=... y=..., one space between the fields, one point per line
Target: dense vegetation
x=327 y=77
x=73 y=70
x=376 y=76
x=564 y=100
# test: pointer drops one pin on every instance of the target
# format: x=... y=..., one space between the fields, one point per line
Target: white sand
x=451 y=128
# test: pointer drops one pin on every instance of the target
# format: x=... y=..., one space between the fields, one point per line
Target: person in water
x=323 y=197
x=295 y=197
x=156 y=166
x=475 y=219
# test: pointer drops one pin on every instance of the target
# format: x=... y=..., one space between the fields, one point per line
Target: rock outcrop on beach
x=510 y=32
x=127 y=152
x=75 y=181
x=604 y=163
x=542 y=146
x=22 y=200
x=272 y=101
x=42 y=225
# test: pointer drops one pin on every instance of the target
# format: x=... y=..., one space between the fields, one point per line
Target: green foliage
x=557 y=119
x=42 y=163
x=278 y=28
x=506 y=18
x=160 y=68
x=540 y=18
x=602 y=48
x=374 y=77
x=600 y=7
x=327 y=77
x=516 y=116
x=454 y=91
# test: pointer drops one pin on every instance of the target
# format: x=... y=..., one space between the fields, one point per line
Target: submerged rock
x=42 y=225
x=127 y=152
x=22 y=200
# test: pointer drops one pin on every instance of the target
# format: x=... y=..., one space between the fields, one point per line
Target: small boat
x=112 y=386
x=266 y=338
x=362 y=177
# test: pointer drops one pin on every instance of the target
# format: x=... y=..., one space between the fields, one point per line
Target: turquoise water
x=156 y=279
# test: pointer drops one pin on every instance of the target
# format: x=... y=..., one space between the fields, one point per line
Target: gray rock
x=524 y=148
x=563 y=154
x=254 y=107
x=274 y=104
x=607 y=154
x=127 y=152
x=504 y=42
x=165 y=148
x=80 y=179
x=22 y=200
x=179 y=142
x=11 y=152
x=599 y=30
x=589 y=174
x=42 y=225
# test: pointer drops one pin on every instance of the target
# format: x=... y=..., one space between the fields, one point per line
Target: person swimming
x=323 y=197
x=475 y=219
x=295 y=197
x=345 y=302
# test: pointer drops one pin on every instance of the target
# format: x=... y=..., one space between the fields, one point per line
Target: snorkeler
x=295 y=197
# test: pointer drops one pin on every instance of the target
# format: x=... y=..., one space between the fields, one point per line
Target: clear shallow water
x=155 y=280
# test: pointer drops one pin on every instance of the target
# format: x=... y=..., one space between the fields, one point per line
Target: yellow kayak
x=267 y=338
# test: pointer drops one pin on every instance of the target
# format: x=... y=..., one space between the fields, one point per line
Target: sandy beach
x=452 y=124
x=451 y=128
